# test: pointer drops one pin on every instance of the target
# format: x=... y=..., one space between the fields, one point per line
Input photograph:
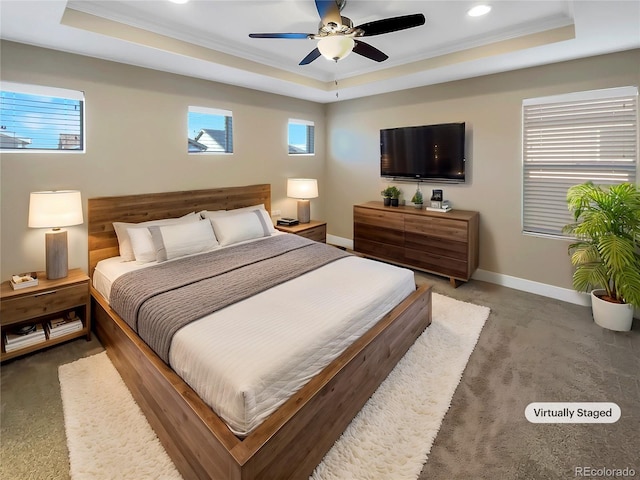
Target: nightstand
x=314 y=230
x=49 y=300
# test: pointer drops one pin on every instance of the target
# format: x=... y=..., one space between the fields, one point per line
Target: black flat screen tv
x=433 y=153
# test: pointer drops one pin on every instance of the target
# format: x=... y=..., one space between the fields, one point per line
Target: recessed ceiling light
x=179 y=1
x=479 y=10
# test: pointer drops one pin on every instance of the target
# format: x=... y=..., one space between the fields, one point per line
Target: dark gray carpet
x=531 y=349
x=534 y=349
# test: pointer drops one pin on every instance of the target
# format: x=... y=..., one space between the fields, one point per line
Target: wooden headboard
x=103 y=211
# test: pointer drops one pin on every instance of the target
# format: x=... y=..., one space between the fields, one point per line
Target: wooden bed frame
x=293 y=440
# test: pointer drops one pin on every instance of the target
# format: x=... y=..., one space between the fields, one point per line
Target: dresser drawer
x=379 y=218
x=437 y=227
x=379 y=250
x=436 y=246
x=378 y=234
x=44 y=302
x=451 y=267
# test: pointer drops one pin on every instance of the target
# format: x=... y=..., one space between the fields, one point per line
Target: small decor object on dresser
x=24 y=280
x=444 y=206
x=395 y=196
x=386 y=196
x=417 y=198
x=436 y=199
x=391 y=195
x=438 y=204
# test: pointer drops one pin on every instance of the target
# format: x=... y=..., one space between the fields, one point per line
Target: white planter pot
x=614 y=316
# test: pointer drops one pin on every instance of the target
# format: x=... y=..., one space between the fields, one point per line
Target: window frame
x=573 y=160
x=50 y=92
x=228 y=120
x=310 y=138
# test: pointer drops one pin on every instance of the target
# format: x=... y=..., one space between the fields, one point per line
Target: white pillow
x=144 y=250
x=220 y=213
x=124 y=243
x=225 y=213
x=246 y=225
x=173 y=241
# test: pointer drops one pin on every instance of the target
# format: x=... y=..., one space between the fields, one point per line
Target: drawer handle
x=45 y=293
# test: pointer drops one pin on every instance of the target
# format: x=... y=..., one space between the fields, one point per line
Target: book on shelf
x=24 y=336
x=59 y=327
x=24 y=280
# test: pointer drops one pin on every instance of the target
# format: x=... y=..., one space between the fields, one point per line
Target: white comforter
x=247 y=359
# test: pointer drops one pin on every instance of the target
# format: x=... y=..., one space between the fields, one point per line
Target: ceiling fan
x=337 y=36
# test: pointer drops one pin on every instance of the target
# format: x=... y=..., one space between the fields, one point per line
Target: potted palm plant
x=606 y=253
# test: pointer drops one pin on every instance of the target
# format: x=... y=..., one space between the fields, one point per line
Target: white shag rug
x=109 y=438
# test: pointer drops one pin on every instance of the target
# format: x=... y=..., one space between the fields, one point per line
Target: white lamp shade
x=302 y=188
x=60 y=208
x=336 y=47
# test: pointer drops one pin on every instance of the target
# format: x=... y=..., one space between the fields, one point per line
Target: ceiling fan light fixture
x=479 y=10
x=335 y=47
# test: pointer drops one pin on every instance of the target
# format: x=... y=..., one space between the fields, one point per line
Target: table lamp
x=55 y=209
x=303 y=189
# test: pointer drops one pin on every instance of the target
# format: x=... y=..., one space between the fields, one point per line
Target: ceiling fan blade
x=280 y=35
x=313 y=54
x=387 y=25
x=329 y=12
x=368 y=51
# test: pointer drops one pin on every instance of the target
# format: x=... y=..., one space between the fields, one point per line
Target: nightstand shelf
x=314 y=230
x=46 y=301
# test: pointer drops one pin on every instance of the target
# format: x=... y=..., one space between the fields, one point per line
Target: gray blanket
x=157 y=301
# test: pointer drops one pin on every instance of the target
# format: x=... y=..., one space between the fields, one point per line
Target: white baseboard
x=551 y=291
x=340 y=241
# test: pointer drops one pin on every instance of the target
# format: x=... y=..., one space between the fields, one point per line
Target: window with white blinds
x=571 y=139
x=38 y=118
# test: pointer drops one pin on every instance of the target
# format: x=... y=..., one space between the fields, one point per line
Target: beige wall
x=136 y=142
x=491 y=108
x=131 y=113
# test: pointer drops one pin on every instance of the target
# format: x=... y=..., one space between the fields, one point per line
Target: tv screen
x=429 y=152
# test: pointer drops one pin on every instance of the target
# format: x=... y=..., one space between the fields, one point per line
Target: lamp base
x=57 y=254
x=304 y=211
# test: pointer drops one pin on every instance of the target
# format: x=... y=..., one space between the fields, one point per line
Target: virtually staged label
x=572 y=412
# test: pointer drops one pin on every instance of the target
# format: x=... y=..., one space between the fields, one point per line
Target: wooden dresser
x=441 y=243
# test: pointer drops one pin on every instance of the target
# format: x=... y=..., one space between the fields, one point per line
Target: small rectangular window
x=301 y=137
x=210 y=130
x=37 y=118
x=570 y=139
